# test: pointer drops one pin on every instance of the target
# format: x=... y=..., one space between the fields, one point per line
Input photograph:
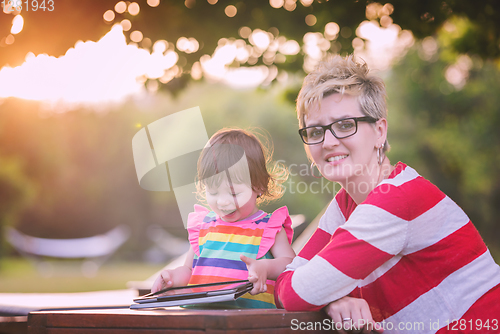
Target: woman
x=405 y=255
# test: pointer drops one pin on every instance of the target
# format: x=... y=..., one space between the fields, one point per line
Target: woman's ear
x=381 y=131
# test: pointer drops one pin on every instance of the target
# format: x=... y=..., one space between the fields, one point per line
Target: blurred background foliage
x=71 y=174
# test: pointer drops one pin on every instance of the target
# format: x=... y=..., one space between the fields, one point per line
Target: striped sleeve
x=374 y=233
x=329 y=222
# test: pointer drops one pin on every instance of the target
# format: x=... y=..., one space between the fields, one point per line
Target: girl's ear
x=259 y=192
x=381 y=130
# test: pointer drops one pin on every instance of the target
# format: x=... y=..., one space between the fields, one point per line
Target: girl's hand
x=257 y=274
x=165 y=280
x=358 y=313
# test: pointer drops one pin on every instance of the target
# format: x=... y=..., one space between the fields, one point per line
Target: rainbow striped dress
x=218 y=244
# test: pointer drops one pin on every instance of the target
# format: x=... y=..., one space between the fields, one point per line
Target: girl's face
x=232 y=202
x=344 y=160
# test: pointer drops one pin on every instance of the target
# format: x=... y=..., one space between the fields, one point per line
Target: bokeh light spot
x=331 y=30
x=290 y=47
x=245 y=32
x=290 y=5
x=10 y=40
x=196 y=71
x=385 y=21
x=153 y=3
x=121 y=7
x=146 y=43
x=109 y=16
x=136 y=36
x=231 y=11
x=260 y=39
x=311 y=20
x=126 y=25
x=160 y=46
x=134 y=8
x=276 y=3
x=346 y=32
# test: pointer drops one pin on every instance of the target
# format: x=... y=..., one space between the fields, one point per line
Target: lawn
x=21 y=275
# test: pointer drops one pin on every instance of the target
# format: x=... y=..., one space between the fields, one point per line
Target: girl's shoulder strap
x=194 y=222
x=273 y=224
x=198 y=216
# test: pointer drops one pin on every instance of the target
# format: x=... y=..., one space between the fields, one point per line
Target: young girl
x=236 y=240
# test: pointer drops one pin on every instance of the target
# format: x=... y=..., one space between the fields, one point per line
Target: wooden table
x=173 y=320
x=13 y=325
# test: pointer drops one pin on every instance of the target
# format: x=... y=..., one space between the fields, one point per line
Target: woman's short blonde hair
x=343 y=75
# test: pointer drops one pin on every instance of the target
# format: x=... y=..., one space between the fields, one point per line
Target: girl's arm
x=179 y=276
x=259 y=271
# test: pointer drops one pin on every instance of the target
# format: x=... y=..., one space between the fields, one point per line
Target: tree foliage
x=54 y=32
x=450 y=132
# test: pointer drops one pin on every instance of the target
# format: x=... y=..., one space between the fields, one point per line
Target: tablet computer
x=194 y=294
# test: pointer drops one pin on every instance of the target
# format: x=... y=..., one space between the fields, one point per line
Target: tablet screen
x=200 y=289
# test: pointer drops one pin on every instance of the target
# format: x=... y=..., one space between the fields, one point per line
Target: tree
x=444 y=111
x=209 y=21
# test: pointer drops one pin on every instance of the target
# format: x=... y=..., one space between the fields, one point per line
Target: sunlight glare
x=187 y=45
x=246 y=77
x=91 y=73
x=216 y=67
x=382 y=45
x=17 y=24
x=290 y=47
x=260 y=39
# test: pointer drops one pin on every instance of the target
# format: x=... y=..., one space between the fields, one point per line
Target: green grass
x=21 y=275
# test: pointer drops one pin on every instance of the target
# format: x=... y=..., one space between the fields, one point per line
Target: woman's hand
x=354 y=315
x=163 y=281
x=257 y=274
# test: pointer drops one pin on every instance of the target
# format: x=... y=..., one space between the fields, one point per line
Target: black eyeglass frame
x=368 y=119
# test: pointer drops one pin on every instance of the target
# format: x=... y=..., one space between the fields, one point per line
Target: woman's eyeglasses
x=342 y=128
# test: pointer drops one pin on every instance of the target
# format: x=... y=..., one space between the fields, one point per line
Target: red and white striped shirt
x=408 y=250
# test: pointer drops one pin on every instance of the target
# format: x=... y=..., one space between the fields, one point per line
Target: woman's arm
x=368 y=239
x=179 y=276
x=353 y=314
x=259 y=271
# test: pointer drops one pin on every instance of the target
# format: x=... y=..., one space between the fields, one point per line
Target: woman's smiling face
x=342 y=160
